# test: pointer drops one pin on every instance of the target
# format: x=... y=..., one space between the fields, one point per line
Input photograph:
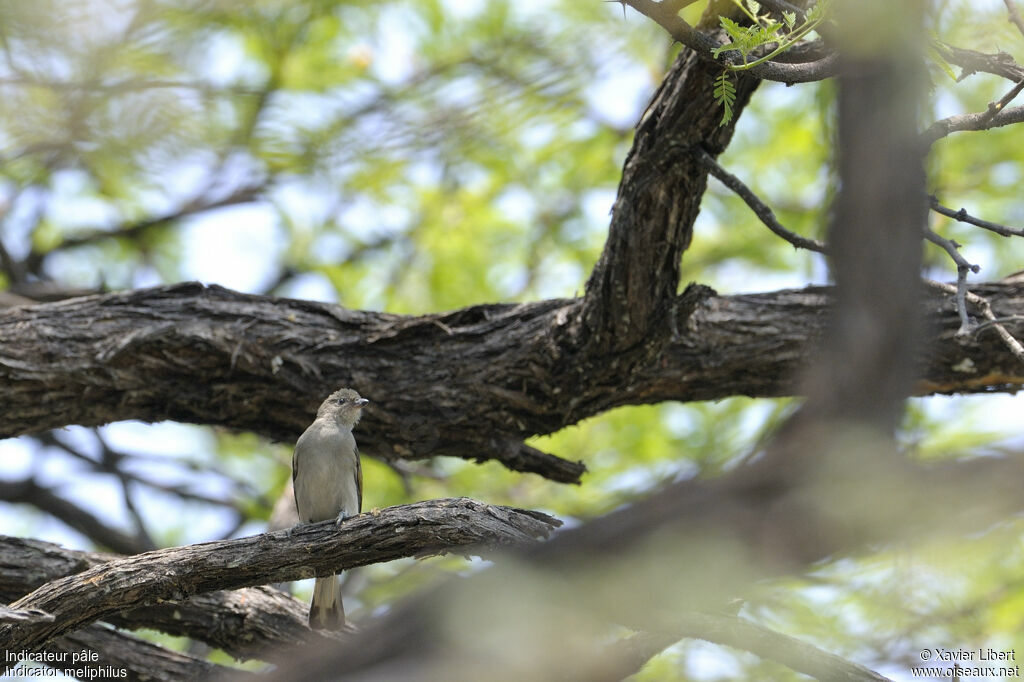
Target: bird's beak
x=361 y=402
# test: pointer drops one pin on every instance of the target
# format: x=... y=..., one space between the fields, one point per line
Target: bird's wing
x=359 y=480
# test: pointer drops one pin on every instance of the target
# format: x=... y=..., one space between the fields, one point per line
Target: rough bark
x=245 y=623
x=457 y=383
x=139 y=659
x=175 y=574
x=628 y=304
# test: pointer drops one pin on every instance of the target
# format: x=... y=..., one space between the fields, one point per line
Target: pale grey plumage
x=328 y=481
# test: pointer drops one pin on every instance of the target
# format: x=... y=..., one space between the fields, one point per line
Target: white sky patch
x=516 y=204
x=169 y=439
x=15 y=458
x=619 y=96
x=395 y=57
x=72 y=205
x=311 y=286
x=706 y=661
x=464 y=9
x=597 y=206
x=236 y=247
x=225 y=63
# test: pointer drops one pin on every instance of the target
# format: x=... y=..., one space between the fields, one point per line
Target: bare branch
x=973 y=122
x=760 y=209
x=253 y=622
x=967 y=328
x=964 y=217
x=781 y=6
x=962 y=268
x=1013 y=14
x=201 y=204
x=175 y=574
x=992 y=320
x=995 y=107
x=629 y=293
x=971 y=62
x=27 y=491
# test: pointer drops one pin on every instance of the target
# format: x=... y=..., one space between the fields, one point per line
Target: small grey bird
x=328 y=483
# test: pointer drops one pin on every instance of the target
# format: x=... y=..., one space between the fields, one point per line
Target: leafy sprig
x=725 y=95
x=764 y=30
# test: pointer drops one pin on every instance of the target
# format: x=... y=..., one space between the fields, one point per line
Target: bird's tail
x=326 y=612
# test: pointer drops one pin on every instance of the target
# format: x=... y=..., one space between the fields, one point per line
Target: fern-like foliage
x=725 y=95
x=763 y=31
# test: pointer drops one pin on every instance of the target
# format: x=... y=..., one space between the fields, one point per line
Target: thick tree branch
x=459 y=383
x=175 y=574
x=630 y=290
x=246 y=623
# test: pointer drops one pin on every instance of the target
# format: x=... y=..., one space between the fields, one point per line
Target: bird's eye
x=342 y=401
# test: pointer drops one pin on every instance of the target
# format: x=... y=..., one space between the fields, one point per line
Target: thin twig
x=662 y=14
x=760 y=209
x=995 y=107
x=964 y=217
x=1013 y=14
x=962 y=267
x=952 y=248
x=111 y=462
x=999 y=320
x=971 y=62
x=982 y=303
x=974 y=122
x=242 y=195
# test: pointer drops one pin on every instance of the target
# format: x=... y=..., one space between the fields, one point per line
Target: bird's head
x=345 y=406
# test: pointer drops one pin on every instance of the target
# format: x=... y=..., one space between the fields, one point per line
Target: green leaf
x=735 y=31
x=941 y=62
x=725 y=95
